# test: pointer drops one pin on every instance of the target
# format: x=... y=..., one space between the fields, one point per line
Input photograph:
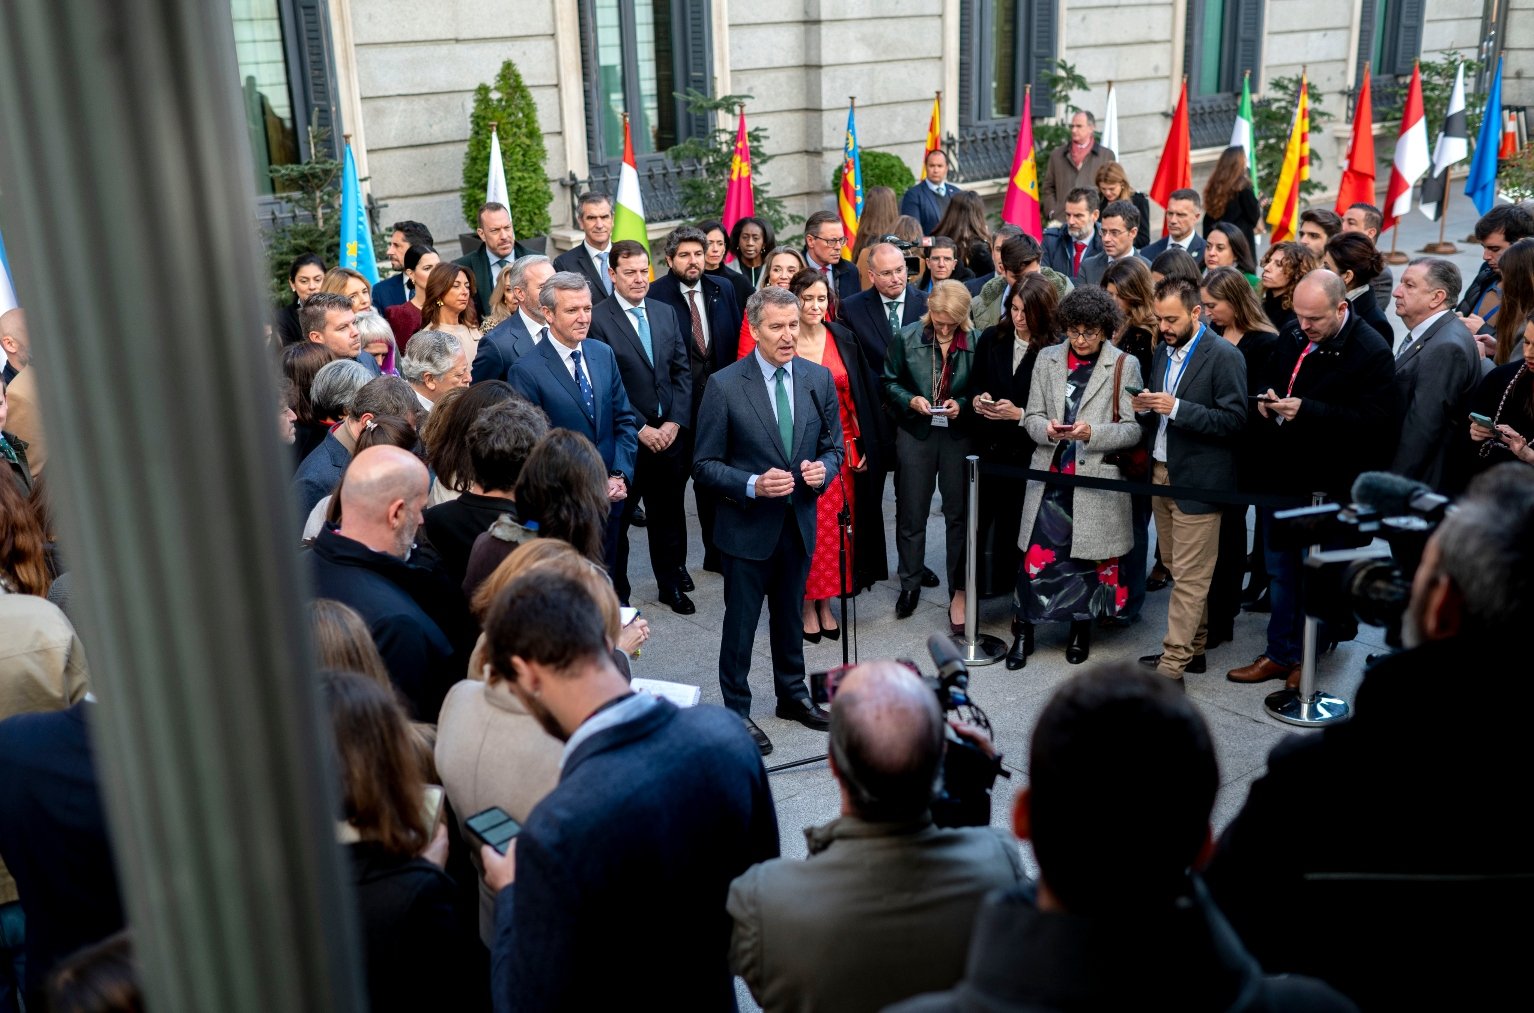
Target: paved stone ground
x=686 y=649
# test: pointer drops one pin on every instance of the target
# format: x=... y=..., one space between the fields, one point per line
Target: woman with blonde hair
x=927 y=384
x=352 y=284
x=500 y=303
x=1113 y=183
x=780 y=267
x=490 y=750
x=1228 y=196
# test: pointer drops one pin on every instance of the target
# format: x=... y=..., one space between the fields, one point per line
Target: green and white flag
x=628 y=213
x=1244 y=134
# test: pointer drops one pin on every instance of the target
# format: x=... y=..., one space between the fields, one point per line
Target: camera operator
x=882 y=908
x=1122 y=779
x=1397 y=894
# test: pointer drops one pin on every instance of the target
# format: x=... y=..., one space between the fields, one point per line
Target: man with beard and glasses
x=657 y=810
x=363 y=563
x=1398 y=897
x=1193 y=410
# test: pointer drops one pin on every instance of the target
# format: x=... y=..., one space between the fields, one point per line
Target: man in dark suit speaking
x=576 y=383
x=769 y=439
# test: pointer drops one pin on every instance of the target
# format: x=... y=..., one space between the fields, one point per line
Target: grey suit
x=1434 y=374
x=1094 y=267
x=1101 y=525
x=1211 y=412
x=766 y=544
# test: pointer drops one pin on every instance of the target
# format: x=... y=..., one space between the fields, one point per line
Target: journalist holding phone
x=927 y=384
x=1079 y=412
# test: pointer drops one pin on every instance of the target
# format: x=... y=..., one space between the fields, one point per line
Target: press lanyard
x=1295 y=375
x=1168 y=384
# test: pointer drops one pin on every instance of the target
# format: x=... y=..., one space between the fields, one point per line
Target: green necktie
x=894 y=312
x=785 y=415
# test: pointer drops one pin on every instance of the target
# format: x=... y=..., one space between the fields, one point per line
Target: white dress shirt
x=534 y=328
x=628 y=309
x=596 y=264
x=1422 y=328
x=1176 y=366
x=564 y=356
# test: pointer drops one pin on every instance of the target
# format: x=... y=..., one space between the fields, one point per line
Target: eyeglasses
x=1115 y=233
x=1083 y=334
x=834 y=241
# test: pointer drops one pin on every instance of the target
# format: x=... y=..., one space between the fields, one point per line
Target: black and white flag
x=1453 y=146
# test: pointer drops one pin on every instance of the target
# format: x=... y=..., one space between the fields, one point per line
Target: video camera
x=963 y=798
x=913 y=264
x=1348 y=576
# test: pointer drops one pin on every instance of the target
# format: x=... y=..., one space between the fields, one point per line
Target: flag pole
x=1443 y=247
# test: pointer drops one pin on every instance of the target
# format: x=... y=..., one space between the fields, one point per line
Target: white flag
x=495 y=190
x=1111 y=120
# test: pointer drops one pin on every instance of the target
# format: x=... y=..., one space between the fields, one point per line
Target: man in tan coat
x=1073 y=164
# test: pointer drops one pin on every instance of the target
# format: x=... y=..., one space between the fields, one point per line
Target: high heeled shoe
x=1022 y=645
x=1079 y=645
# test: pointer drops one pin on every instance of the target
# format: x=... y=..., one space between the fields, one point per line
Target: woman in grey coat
x=1071 y=538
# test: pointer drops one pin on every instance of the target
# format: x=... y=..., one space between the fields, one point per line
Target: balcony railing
x=982 y=152
x=1210 y=119
x=660 y=186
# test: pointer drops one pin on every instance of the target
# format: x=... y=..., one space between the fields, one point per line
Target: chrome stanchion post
x=1307 y=707
x=976 y=648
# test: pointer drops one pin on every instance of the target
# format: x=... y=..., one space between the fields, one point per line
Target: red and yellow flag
x=934 y=134
x=1284 y=215
x=1021 y=207
x=849 y=202
x=739 y=193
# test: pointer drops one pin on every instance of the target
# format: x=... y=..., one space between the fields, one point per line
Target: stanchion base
x=1397 y=258
x=1441 y=249
x=1320 y=709
x=986 y=650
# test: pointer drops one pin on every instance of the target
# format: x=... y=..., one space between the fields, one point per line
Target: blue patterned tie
x=584 y=384
x=607 y=281
x=644 y=333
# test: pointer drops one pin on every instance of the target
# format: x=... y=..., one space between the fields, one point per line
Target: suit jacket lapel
x=1414 y=348
x=1101 y=374
x=756 y=393
x=556 y=366
x=623 y=324
x=804 y=409
x=1192 y=367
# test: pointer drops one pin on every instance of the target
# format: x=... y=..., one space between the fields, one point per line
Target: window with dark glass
x=1222 y=42
x=1005 y=45
x=283 y=51
x=640 y=55
x=1389 y=41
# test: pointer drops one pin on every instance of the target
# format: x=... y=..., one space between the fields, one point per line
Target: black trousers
x=780 y=579
x=707 y=501
x=1229 y=569
x=660 y=479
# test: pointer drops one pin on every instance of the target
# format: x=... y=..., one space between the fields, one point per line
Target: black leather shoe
x=1117 y=622
x=679 y=602
x=906 y=603
x=758 y=736
x=638 y=518
x=812 y=638
x=1079 y=645
x=1254 y=590
x=806 y=713
x=831 y=632
x=1158 y=578
x=684 y=580
x=1217 y=636
x=1022 y=645
x=930 y=579
x=1198 y=664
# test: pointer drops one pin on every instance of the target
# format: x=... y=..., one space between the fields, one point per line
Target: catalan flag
x=934 y=133
x=850 y=200
x=1021 y=207
x=1284 y=215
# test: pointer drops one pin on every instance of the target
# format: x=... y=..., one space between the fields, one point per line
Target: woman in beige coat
x=1072 y=538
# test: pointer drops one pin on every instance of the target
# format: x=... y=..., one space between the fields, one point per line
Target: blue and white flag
x=356 y=236
x=7 y=290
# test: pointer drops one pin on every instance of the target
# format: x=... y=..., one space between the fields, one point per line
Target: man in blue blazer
x=577 y=384
x=1184 y=209
x=928 y=199
x=656 y=811
x=769 y=439
x=396 y=288
x=515 y=336
x=1066 y=247
x=652 y=360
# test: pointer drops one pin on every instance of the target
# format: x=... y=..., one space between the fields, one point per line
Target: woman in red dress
x=819 y=344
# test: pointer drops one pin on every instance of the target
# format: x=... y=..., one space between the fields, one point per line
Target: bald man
x=24 y=419
x=363 y=564
x=1330 y=411
x=882 y=908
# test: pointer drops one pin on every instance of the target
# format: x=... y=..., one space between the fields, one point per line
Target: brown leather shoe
x=1293 y=682
x=1261 y=670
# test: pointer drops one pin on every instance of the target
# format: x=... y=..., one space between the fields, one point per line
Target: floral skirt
x=1052 y=585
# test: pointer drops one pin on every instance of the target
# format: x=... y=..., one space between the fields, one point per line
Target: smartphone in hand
x=1483 y=421
x=493 y=827
x=1133 y=391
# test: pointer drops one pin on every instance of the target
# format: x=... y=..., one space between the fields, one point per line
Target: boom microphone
x=950 y=665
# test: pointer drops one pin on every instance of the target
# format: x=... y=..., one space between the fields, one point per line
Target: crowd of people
x=474 y=442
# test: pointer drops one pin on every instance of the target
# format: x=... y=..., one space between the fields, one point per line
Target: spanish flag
x=1021 y=207
x=934 y=134
x=850 y=200
x=1284 y=215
